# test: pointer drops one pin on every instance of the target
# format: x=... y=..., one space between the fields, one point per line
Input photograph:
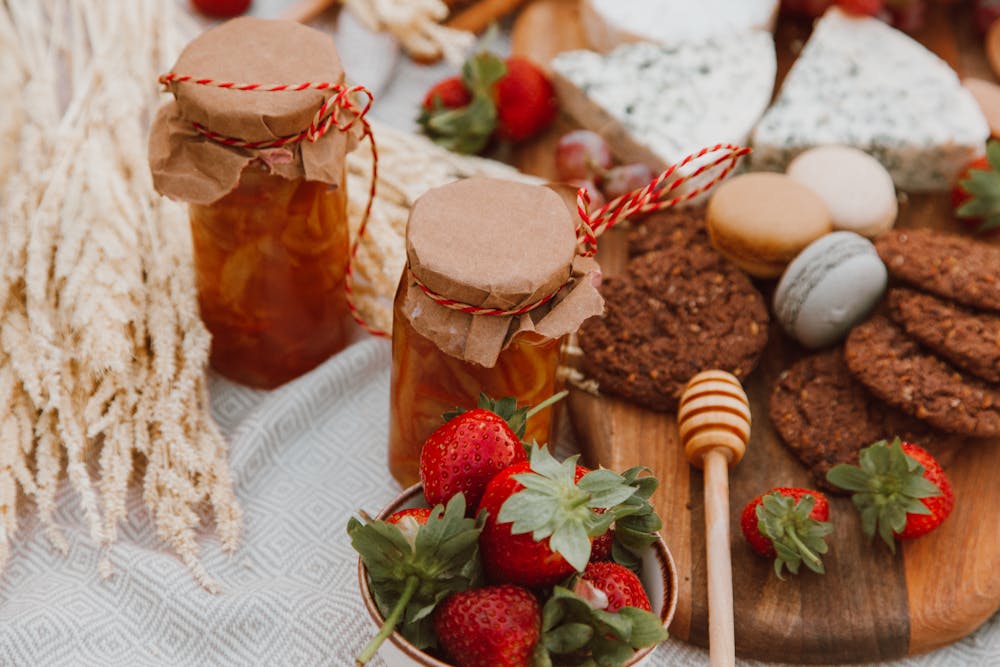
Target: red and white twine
x=653 y=197
x=329 y=114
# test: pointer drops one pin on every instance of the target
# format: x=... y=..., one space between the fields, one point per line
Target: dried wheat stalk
x=102 y=352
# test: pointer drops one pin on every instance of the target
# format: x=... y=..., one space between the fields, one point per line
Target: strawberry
x=900 y=490
x=410 y=573
x=495 y=626
x=472 y=446
x=788 y=524
x=449 y=93
x=221 y=9
x=600 y=548
x=418 y=515
x=861 y=7
x=975 y=197
x=511 y=99
x=584 y=630
x=618 y=583
x=525 y=99
x=541 y=520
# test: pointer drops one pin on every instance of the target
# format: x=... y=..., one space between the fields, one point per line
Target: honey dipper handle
x=721 y=640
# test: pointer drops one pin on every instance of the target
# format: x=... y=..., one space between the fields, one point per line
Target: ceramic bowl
x=658 y=575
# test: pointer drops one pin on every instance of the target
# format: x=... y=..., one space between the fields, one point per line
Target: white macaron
x=856 y=188
x=828 y=288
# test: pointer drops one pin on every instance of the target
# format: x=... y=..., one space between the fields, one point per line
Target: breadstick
x=304 y=11
x=479 y=15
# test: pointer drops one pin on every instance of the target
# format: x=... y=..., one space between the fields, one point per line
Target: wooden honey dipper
x=714 y=424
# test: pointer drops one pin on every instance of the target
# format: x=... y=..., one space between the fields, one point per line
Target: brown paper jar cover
x=190 y=167
x=496 y=244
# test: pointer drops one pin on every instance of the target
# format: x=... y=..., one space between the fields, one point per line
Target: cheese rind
x=610 y=23
x=656 y=104
x=861 y=83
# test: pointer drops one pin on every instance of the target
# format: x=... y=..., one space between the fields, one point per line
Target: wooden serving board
x=870 y=604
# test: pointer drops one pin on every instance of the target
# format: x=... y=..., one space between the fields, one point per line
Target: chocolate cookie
x=671 y=229
x=673 y=313
x=948 y=265
x=825 y=416
x=968 y=339
x=897 y=370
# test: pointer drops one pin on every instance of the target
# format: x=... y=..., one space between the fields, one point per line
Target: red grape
x=597 y=199
x=985 y=13
x=909 y=16
x=808 y=8
x=625 y=178
x=581 y=154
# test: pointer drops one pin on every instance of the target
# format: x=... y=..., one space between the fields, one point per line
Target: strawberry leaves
x=888 y=485
x=468 y=129
x=573 y=632
x=983 y=186
x=638 y=523
x=411 y=575
x=797 y=538
x=553 y=506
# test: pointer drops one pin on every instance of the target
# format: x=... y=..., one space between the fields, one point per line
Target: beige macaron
x=855 y=187
x=761 y=221
x=987 y=96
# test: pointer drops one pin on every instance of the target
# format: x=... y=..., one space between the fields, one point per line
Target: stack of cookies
x=925 y=367
x=679 y=308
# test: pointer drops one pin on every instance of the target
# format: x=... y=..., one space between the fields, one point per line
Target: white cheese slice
x=861 y=83
x=656 y=104
x=609 y=23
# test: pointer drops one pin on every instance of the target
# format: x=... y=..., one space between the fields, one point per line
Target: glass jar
x=270 y=258
x=492 y=287
x=426 y=383
x=262 y=166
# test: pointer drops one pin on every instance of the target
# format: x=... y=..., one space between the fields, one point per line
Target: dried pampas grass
x=102 y=351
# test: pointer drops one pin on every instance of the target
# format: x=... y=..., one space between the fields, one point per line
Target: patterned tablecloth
x=304 y=458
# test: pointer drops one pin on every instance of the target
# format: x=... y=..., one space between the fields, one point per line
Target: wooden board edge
x=933 y=575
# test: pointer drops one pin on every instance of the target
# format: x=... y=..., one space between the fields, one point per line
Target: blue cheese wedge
x=609 y=23
x=656 y=104
x=861 y=83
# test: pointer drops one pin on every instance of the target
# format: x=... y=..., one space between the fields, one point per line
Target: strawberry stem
x=803 y=549
x=554 y=398
x=390 y=622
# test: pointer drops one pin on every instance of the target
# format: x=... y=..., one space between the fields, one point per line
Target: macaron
x=856 y=188
x=987 y=96
x=761 y=221
x=829 y=288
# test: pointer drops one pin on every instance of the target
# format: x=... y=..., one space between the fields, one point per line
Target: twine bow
x=331 y=114
x=653 y=197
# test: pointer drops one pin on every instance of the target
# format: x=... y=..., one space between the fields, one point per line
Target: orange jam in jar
x=492 y=287
x=427 y=383
x=271 y=257
x=262 y=166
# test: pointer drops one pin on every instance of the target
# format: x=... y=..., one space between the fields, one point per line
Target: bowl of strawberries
x=505 y=556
